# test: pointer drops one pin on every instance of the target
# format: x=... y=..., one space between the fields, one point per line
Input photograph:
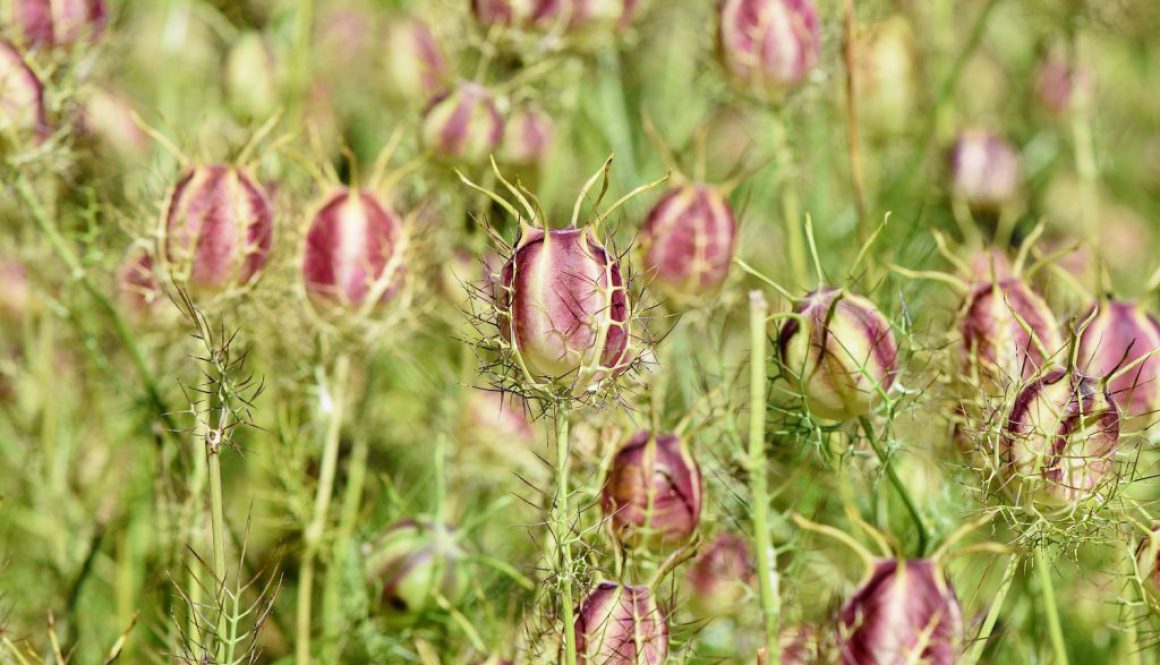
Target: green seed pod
x=412 y=562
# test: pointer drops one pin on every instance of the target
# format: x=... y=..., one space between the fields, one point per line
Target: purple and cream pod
x=687 y=241
x=906 y=612
x=355 y=251
x=412 y=561
x=839 y=353
x=621 y=624
x=652 y=493
x=137 y=285
x=1118 y=334
x=564 y=307
x=985 y=170
x=217 y=231
x=22 y=110
x=1007 y=331
x=573 y=15
x=720 y=577
x=768 y=47
x=527 y=137
x=49 y=23
x=1148 y=561
x=1061 y=436
x=416 y=68
x=463 y=125
x=1061 y=87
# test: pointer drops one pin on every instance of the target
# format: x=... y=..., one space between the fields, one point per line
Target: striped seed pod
x=22 y=111
x=768 y=47
x=985 y=170
x=1008 y=333
x=1122 y=340
x=411 y=562
x=527 y=137
x=463 y=125
x=49 y=23
x=621 y=624
x=416 y=68
x=652 y=495
x=687 y=241
x=720 y=577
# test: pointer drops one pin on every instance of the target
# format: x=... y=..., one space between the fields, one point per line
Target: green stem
x=1050 y=608
x=322 y=497
x=217 y=524
x=984 y=635
x=911 y=507
x=758 y=480
x=560 y=518
x=790 y=207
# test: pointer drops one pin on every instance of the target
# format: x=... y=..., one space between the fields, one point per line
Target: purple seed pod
x=515 y=13
x=354 y=252
x=687 y=241
x=906 y=612
x=564 y=307
x=1148 y=561
x=1061 y=434
x=218 y=229
x=251 y=77
x=1008 y=333
x=988 y=265
x=800 y=645
x=985 y=170
x=768 y=47
x=620 y=624
x=106 y=122
x=886 y=76
x=14 y=291
x=412 y=561
x=720 y=578
x=652 y=494
x=137 y=285
x=48 y=23
x=601 y=15
x=415 y=66
x=527 y=137
x=1060 y=87
x=463 y=125
x=839 y=353
x=22 y=110
x=1122 y=335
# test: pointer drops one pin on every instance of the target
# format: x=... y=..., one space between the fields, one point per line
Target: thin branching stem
x=899 y=486
x=790 y=207
x=758 y=480
x=560 y=520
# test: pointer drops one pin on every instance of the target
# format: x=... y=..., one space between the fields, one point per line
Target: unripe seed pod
x=985 y=170
x=53 y=22
x=137 y=285
x=21 y=96
x=687 y=241
x=601 y=15
x=106 y=119
x=621 y=624
x=768 y=47
x=906 y=612
x=415 y=67
x=564 y=306
x=1122 y=335
x=1061 y=434
x=218 y=229
x=987 y=266
x=14 y=291
x=652 y=494
x=515 y=13
x=1148 y=561
x=840 y=353
x=720 y=577
x=800 y=645
x=527 y=137
x=251 y=77
x=354 y=251
x=886 y=75
x=1061 y=87
x=414 y=560
x=1008 y=332
x=463 y=125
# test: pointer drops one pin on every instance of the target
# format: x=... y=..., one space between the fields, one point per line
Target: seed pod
x=652 y=494
x=15 y=295
x=1008 y=332
x=720 y=577
x=987 y=266
x=527 y=137
x=354 y=251
x=415 y=67
x=599 y=16
x=21 y=97
x=621 y=624
x=1148 y=561
x=886 y=76
x=1118 y=335
x=985 y=170
x=687 y=241
x=1061 y=435
x=906 y=612
x=839 y=353
x=106 y=123
x=137 y=285
x=768 y=47
x=414 y=560
x=47 y=23
x=564 y=307
x=1061 y=87
x=251 y=78
x=800 y=645
x=515 y=13
x=463 y=125
x=218 y=229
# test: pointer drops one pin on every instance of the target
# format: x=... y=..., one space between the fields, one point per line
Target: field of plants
x=580 y=332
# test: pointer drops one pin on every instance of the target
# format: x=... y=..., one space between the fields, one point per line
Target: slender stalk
x=790 y=207
x=217 y=525
x=758 y=480
x=343 y=537
x=984 y=635
x=1049 y=606
x=560 y=519
x=322 y=497
x=857 y=180
x=911 y=507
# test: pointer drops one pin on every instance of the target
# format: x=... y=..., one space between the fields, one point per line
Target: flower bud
x=839 y=352
x=354 y=251
x=463 y=125
x=886 y=76
x=1121 y=336
x=1008 y=332
x=218 y=229
x=985 y=170
x=415 y=67
x=768 y=47
x=414 y=560
x=527 y=137
x=1061 y=434
x=621 y=624
x=652 y=494
x=564 y=306
x=21 y=96
x=137 y=285
x=1060 y=87
x=251 y=78
x=720 y=577
x=54 y=22
x=687 y=241
x=906 y=612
